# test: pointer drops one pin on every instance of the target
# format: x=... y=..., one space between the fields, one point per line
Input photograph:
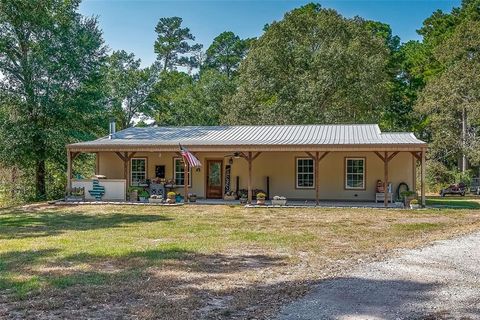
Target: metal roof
x=270 y=135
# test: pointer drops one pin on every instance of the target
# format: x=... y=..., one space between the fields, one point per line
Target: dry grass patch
x=195 y=261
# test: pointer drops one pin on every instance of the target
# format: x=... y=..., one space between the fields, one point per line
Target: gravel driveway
x=441 y=281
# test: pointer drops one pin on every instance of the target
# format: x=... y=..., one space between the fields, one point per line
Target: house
x=318 y=162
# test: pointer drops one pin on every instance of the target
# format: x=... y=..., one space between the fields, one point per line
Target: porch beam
x=379 y=155
x=385 y=182
x=417 y=155
x=422 y=180
x=69 y=170
x=390 y=157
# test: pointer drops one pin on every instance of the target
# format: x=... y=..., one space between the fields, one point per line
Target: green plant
x=133 y=189
x=171 y=194
x=144 y=194
x=261 y=195
x=414 y=201
x=406 y=194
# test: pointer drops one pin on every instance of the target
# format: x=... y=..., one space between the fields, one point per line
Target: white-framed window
x=179 y=172
x=354 y=173
x=138 y=172
x=305 y=173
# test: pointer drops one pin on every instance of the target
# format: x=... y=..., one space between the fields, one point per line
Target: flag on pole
x=187 y=156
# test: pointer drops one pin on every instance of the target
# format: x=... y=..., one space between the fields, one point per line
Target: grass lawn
x=467 y=202
x=195 y=261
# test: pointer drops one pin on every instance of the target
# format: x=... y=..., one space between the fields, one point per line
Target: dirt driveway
x=441 y=281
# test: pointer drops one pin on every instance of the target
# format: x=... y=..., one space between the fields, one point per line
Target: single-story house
x=317 y=162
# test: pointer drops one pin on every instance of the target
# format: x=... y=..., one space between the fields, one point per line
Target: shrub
x=171 y=194
x=414 y=201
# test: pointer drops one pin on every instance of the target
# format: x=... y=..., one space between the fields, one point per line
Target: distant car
x=459 y=188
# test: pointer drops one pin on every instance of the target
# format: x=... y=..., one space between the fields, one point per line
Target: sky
x=130 y=24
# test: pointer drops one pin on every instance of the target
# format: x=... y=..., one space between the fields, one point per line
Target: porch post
x=186 y=179
x=385 y=181
x=69 y=169
x=126 y=161
x=97 y=163
x=249 y=187
x=423 y=178
x=414 y=173
x=317 y=179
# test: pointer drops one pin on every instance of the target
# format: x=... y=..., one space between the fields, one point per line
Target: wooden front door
x=214 y=179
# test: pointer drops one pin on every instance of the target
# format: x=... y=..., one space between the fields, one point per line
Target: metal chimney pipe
x=112 y=128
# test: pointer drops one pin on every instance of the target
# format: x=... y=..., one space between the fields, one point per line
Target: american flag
x=189 y=158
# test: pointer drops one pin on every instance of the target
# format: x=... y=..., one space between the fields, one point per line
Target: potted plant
x=261 y=198
x=178 y=198
x=414 y=204
x=243 y=199
x=155 y=199
x=192 y=197
x=171 y=197
x=143 y=196
x=229 y=196
x=133 y=194
x=408 y=196
x=279 y=201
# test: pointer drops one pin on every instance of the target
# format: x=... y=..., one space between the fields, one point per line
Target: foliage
x=314 y=66
x=128 y=87
x=414 y=201
x=172 y=45
x=226 y=52
x=50 y=61
x=261 y=195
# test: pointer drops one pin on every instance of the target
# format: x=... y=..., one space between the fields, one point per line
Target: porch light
x=230 y=161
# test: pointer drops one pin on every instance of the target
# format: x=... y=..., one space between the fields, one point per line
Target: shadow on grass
x=17 y=225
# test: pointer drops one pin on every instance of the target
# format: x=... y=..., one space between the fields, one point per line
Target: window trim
x=146 y=171
x=296 y=173
x=175 y=173
x=345 y=186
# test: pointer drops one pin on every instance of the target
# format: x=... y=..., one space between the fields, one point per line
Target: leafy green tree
x=451 y=99
x=172 y=45
x=226 y=52
x=314 y=66
x=50 y=59
x=128 y=87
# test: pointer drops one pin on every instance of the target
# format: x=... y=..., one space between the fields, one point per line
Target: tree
x=226 y=52
x=451 y=99
x=128 y=87
x=50 y=59
x=172 y=46
x=314 y=66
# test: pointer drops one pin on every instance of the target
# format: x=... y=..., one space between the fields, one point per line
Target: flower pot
x=192 y=198
x=260 y=202
x=243 y=200
x=171 y=200
x=279 y=202
x=142 y=199
x=133 y=196
x=153 y=200
x=414 y=206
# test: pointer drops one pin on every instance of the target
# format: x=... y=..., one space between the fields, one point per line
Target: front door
x=214 y=179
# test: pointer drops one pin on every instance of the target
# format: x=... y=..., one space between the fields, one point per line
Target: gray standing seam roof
x=361 y=134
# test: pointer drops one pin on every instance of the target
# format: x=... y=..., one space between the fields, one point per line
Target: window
x=305 y=173
x=138 y=172
x=179 y=172
x=355 y=173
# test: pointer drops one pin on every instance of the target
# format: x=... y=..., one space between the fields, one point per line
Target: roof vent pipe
x=112 y=129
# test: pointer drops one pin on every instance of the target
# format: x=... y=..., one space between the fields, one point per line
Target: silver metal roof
x=273 y=135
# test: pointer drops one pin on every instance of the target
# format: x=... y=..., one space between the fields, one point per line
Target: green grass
x=180 y=249
x=454 y=202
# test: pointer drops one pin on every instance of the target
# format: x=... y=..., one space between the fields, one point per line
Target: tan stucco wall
x=280 y=168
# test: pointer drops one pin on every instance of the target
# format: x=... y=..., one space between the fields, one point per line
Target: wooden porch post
x=249 y=184
x=317 y=158
x=69 y=169
x=423 y=178
x=414 y=173
x=386 y=159
x=385 y=181
x=186 y=179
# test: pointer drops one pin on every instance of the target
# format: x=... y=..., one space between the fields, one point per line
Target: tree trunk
x=464 y=163
x=40 y=179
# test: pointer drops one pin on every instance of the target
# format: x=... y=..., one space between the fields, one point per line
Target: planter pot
x=279 y=202
x=171 y=200
x=192 y=198
x=133 y=196
x=261 y=202
x=228 y=198
x=155 y=200
x=178 y=198
x=243 y=200
x=414 y=206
